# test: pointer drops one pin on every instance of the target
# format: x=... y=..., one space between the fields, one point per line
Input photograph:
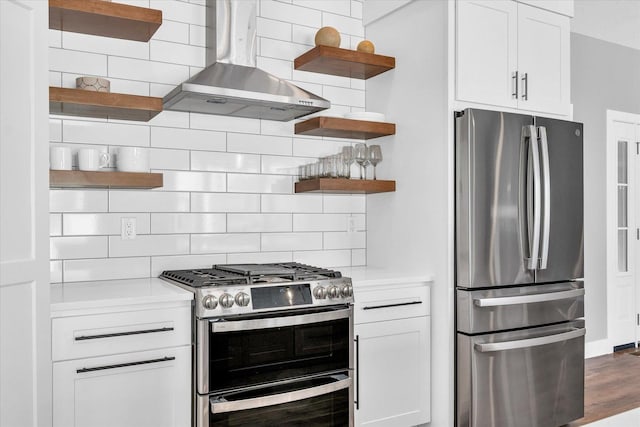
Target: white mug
x=60 y=158
x=133 y=159
x=90 y=159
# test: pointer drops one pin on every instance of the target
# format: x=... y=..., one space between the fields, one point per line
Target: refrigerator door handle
x=529 y=342
x=534 y=233
x=527 y=299
x=546 y=182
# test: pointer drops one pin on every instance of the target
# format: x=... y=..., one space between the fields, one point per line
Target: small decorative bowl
x=95 y=84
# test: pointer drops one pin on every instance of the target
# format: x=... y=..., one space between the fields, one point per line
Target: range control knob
x=226 y=300
x=319 y=292
x=334 y=292
x=242 y=299
x=347 y=291
x=210 y=302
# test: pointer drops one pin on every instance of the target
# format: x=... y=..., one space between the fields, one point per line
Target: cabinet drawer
x=390 y=303
x=112 y=333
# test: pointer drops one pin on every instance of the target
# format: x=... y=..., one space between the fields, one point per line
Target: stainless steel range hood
x=231 y=85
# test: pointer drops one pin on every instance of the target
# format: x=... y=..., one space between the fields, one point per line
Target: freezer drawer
x=490 y=310
x=526 y=378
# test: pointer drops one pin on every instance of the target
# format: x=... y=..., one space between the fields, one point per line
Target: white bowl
x=365 y=115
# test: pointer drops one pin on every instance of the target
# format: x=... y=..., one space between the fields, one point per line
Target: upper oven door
x=250 y=350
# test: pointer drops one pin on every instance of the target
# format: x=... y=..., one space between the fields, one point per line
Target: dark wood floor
x=610 y=386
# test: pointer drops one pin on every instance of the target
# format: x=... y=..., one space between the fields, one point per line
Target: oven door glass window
x=316 y=402
x=250 y=351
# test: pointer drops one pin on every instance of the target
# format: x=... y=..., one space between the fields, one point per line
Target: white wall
x=228 y=182
x=615 y=21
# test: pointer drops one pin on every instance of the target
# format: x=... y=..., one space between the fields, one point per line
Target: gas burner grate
x=204 y=277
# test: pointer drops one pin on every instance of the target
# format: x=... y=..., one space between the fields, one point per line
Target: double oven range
x=273 y=345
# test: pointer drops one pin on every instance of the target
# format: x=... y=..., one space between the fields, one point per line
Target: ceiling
x=615 y=21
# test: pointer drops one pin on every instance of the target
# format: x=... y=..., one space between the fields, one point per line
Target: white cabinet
x=512 y=55
x=392 y=336
x=123 y=369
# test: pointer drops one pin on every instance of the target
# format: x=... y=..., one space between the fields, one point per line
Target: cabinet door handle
x=357 y=400
x=525 y=86
x=124 y=365
x=121 y=334
x=514 y=78
x=375 y=307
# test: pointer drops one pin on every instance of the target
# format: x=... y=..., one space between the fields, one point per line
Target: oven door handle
x=278 y=322
x=219 y=407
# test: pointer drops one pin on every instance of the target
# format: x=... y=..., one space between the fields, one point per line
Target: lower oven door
x=247 y=351
x=525 y=378
x=321 y=401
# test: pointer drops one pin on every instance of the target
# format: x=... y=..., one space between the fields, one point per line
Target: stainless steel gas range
x=273 y=345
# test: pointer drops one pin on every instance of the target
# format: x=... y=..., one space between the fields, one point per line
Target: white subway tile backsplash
x=283 y=165
x=224 y=202
x=81 y=63
x=356 y=9
x=172 y=31
x=88 y=224
x=321 y=79
x=358 y=257
x=160 y=90
x=193 y=181
x=180 y=11
x=334 y=203
x=188 y=139
x=55 y=130
x=169 y=223
x=340 y=7
x=314 y=148
x=105 y=269
x=104 y=45
x=244 y=183
x=55 y=271
x=147 y=201
x=320 y=222
x=177 y=53
x=169 y=159
x=303 y=35
x=225 y=162
x=281 y=50
x=326 y=259
x=260 y=257
x=77 y=200
x=197 y=35
x=273 y=29
x=278 y=67
x=255 y=223
x=268 y=127
x=224 y=124
x=294 y=203
x=344 y=96
x=148 y=71
x=55 y=224
x=175 y=119
x=153 y=244
x=55 y=38
x=259 y=144
x=344 y=24
x=105 y=133
x=55 y=79
x=291 y=241
x=345 y=240
x=78 y=247
x=225 y=243
x=183 y=262
x=290 y=13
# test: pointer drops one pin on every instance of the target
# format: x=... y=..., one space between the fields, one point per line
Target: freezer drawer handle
x=531 y=342
x=527 y=299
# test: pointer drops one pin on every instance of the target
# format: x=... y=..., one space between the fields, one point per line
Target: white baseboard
x=597 y=348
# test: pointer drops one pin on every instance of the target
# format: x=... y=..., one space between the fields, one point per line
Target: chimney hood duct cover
x=231 y=85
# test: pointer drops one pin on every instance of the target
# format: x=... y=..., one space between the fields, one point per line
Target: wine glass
x=375 y=157
x=361 y=155
x=347 y=158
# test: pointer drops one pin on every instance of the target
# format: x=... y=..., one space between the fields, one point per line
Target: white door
x=486 y=51
x=623 y=189
x=25 y=349
x=543 y=60
x=392 y=373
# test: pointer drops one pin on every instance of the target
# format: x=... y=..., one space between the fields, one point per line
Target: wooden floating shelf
x=77 y=178
x=103 y=18
x=343 y=185
x=343 y=62
x=79 y=102
x=336 y=127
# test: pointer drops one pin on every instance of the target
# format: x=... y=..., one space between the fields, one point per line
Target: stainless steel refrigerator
x=519 y=269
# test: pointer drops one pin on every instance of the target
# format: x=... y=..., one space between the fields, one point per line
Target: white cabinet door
x=486 y=51
x=543 y=58
x=149 y=388
x=392 y=373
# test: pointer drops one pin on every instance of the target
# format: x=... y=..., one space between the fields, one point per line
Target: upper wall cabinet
x=512 y=55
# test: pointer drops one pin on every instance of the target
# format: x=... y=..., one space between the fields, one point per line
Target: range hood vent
x=231 y=85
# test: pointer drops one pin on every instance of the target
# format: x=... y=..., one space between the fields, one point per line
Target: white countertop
x=379 y=276
x=113 y=293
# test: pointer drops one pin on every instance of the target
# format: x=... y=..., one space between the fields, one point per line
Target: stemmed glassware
x=375 y=157
x=362 y=158
x=347 y=158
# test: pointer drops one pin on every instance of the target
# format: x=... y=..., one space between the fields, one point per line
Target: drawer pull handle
x=375 y=307
x=122 y=334
x=124 y=365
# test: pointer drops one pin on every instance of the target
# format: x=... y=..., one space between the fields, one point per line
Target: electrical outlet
x=128 y=229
